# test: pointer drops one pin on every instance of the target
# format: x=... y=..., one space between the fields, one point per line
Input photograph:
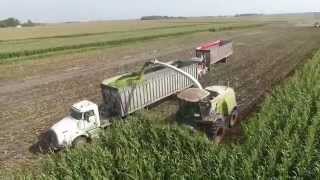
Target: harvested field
x=16 y=50
x=34 y=94
x=75 y=29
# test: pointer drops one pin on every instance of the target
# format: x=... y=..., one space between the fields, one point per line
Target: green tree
x=10 y=22
x=28 y=23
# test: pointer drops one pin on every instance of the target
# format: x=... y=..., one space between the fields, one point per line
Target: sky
x=85 y=10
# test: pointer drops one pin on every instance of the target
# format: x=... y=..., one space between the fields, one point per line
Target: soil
x=36 y=94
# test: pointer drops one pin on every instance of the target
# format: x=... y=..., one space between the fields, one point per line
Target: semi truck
x=122 y=95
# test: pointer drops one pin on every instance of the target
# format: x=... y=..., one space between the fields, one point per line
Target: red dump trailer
x=214 y=52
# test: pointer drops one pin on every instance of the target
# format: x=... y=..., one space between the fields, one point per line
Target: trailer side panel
x=156 y=86
x=215 y=52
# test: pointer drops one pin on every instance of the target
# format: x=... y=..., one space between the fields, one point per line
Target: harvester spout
x=194 y=80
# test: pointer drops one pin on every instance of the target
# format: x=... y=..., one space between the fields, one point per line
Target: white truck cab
x=78 y=127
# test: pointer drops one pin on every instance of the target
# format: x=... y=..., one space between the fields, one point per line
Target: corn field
x=281 y=142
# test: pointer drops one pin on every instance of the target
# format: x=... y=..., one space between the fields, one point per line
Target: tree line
x=159 y=17
x=13 y=22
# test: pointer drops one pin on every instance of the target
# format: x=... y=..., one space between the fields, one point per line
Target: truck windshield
x=75 y=114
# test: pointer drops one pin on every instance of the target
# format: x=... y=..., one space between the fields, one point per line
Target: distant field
x=99 y=35
x=65 y=29
x=48 y=39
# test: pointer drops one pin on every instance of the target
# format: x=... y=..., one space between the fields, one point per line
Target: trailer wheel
x=79 y=142
x=234 y=117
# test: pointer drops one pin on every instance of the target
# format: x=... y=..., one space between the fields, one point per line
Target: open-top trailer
x=215 y=52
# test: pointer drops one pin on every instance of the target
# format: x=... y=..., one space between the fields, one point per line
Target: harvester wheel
x=219 y=135
x=211 y=132
x=79 y=142
x=216 y=131
x=234 y=117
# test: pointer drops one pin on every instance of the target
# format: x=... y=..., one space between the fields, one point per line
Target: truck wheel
x=234 y=118
x=79 y=142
